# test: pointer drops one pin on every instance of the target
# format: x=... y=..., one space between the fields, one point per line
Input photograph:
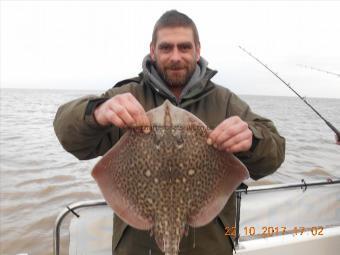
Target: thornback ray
x=168 y=179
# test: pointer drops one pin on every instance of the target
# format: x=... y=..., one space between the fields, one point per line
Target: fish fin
x=102 y=173
x=234 y=173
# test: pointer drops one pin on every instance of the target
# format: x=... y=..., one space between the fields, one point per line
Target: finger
x=242 y=146
x=142 y=119
x=123 y=114
x=134 y=111
x=115 y=120
x=227 y=133
x=221 y=127
x=231 y=129
x=216 y=131
x=239 y=138
x=231 y=132
x=135 y=102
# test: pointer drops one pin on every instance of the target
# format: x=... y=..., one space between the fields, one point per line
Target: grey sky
x=93 y=44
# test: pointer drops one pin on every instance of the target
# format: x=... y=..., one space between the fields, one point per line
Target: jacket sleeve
x=268 y=150
x=77 y=130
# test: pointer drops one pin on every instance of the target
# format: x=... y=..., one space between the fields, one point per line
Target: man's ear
x=152 y=51
x=198 y=52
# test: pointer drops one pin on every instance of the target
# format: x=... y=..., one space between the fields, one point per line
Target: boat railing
x=243 y=189
x=71 y=209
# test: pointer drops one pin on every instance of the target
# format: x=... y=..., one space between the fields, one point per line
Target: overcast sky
x=94 y=44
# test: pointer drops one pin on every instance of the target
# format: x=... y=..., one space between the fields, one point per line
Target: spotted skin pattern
x=169 y=175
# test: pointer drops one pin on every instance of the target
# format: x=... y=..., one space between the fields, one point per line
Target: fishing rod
x=337 y=133
x=320 y=70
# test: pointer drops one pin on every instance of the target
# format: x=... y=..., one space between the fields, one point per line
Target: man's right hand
x=122 y=111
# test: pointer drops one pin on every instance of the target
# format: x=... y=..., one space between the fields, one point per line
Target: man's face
x=175 y=55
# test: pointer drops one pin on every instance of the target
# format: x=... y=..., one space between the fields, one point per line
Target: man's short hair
x=174 y=18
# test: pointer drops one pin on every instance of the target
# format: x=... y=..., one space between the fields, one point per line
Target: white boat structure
x=298 y=218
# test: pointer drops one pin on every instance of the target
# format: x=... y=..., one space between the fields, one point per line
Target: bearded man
x=174 y=70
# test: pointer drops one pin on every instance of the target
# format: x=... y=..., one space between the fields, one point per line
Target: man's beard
x=179 y=80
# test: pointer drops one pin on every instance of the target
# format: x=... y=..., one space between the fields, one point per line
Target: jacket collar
x=197 y=85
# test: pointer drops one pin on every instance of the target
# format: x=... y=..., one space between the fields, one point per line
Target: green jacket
x=80 y=135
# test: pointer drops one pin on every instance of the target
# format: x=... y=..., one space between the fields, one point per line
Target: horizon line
x=98 y=90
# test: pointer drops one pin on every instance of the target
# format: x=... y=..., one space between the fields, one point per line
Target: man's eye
x=185 y=47
x=165 y=47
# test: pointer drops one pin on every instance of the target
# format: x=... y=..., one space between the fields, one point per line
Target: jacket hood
x=197 y=82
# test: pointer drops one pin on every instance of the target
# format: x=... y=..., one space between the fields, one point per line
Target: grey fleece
x=151 y=74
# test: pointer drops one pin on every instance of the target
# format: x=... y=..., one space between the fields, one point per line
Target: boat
x=295 y=218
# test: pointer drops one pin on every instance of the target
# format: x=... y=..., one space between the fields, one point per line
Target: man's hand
x=122 y=111
x=231 y=135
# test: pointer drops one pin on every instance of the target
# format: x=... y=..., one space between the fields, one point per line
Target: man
x=174 y=70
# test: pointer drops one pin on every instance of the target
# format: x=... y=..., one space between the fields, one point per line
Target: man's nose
x=175 y=55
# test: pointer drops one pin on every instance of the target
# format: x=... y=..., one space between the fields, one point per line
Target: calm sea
x=38 y=178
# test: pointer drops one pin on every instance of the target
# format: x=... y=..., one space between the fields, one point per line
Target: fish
x=165 y=177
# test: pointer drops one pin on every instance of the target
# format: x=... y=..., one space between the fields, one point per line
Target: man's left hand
x=231 y=135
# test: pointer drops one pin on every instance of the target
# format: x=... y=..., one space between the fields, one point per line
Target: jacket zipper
x=173 y=99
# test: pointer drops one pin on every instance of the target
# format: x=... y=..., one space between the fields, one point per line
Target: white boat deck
x=291 y=244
